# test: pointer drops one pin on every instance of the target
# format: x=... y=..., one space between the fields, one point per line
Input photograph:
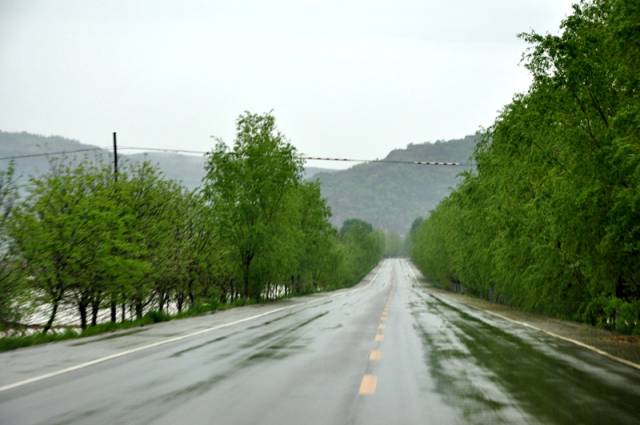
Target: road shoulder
x=625 y=347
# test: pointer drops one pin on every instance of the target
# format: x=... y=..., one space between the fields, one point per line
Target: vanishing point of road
x=388 y=351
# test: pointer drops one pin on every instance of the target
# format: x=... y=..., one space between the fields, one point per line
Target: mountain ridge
x=387 y=195
x=393 y=195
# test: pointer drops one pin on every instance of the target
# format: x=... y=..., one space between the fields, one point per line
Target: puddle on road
x=246 y=345
x=195 y=347
x=268 y=322
x=74 y=417
x=280 y=331
x=283 y=348
x=193 y=390
x=330 y=328
x=494 y=376
x=284 y=344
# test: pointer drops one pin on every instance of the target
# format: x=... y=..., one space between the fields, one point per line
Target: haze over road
x=386 y=352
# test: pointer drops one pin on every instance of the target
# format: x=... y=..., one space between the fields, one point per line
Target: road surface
x=385 y=352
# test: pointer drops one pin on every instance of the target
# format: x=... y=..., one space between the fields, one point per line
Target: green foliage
x=275 y=226
x=247 y=188
x=156 y=316
x=551 y=220
x=148 y=250
x=9 y=287
x=361 y=247
x=13 y=342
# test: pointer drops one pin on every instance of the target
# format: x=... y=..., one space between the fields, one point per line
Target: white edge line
x=576 y=342
x=174 y=339
x=553 y=334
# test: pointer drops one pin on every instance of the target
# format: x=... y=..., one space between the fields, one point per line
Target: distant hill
x=12 y=144
x=389 y=196
x=187 y=169
x=311 y=172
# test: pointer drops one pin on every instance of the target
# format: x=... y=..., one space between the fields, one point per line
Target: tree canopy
x=117 y=249
x=551 y=219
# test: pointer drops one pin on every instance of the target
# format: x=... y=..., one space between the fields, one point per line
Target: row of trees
x=137 y=242
x=551 y=219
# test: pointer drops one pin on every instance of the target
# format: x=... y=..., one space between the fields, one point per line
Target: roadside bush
x=155 y=316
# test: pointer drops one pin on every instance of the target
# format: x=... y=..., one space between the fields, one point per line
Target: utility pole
x=115 y=157
x=113 y=306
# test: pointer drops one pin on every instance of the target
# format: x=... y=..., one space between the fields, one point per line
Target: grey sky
x=344 y=78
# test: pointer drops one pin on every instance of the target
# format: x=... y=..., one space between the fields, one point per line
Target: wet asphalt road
x=386 y=352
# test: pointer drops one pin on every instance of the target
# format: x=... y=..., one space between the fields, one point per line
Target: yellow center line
x=379 y=338
x=368 y=385
x=374 y=356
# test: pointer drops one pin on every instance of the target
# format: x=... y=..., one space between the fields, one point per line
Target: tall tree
x=550 y=221
x=246 y=188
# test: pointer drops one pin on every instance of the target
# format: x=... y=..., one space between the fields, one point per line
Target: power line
x=315 y=158
x=387 y=161
x=139 y=148
x=303 y=157
x=34 y=155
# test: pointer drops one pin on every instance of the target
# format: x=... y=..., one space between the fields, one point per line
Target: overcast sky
x=349 y=78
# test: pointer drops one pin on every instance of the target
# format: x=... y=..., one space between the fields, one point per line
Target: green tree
x=54 y=234
x=362 y=248
x=550 y=220
x=9 y=285
x=85 y=239
x=246 y=188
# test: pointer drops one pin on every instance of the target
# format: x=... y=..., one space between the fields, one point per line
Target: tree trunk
x=95 y=308
x=139 y=309
x=180 y=301
x=52 y=316
x=191 y=294
x=245 y=278
x=82 y=308
x=162 y=299
x=224 y=297
x=114 y=313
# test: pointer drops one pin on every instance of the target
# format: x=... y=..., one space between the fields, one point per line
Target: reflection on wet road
x=386 y=352
x=505 y=375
